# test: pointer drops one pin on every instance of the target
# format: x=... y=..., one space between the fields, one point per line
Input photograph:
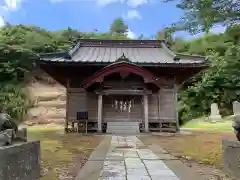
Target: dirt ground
x=63 y=155
x=200 y=150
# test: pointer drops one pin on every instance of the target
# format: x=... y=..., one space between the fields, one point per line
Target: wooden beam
x=121 y=92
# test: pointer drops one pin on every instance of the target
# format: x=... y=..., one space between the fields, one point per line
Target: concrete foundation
x=231 y=157
x=20 y=161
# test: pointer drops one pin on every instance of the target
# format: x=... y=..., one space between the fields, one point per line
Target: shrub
x=14 y=99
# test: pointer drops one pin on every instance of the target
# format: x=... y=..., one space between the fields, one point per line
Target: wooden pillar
x=176 y=106
x=67 y=107
x=100 y=113
x=159 y=110
x=145 y=102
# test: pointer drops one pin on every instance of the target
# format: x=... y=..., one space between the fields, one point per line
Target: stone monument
x=236 y=108
x=215 y=115
x=236 y=119
x=231 y=148
x=19 y=159
x=9 y=131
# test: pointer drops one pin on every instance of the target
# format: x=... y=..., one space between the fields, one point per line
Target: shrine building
x=124 y=86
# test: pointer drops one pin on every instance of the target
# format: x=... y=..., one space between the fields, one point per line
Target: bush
x=14 y=99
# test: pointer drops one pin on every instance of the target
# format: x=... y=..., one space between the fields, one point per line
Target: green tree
x=220 y=82
x=202 y=15
x=118 y=27
x=167 y=35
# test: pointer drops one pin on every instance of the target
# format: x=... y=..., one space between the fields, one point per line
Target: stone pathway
x=129 y=159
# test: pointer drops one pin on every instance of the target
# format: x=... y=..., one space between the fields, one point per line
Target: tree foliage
x=220 y=83
x=118 y=27
x=202 y=15
x=19 y=46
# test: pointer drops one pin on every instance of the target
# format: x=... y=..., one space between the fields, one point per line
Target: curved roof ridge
x=168 y=50
x=190 y=55
x=72 y=51
x=60 y=54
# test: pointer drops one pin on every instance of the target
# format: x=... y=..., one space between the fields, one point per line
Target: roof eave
x=194 y=57
x=78 y=63
x=48 y=56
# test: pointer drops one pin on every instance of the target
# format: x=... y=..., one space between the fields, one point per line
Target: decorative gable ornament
x=123 y=58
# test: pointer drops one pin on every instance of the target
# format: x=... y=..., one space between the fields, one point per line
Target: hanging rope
x=123 y=104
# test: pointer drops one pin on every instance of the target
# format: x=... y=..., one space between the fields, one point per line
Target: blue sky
x=142 y=16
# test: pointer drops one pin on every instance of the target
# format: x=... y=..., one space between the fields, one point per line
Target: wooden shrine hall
x=124 y=86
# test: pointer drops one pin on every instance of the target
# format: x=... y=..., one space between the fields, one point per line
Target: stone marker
x=215 y=115
x=236 y=108
x=231 y=157
x=236 y=119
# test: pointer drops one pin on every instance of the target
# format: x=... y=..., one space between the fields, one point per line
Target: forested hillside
x=219 y=83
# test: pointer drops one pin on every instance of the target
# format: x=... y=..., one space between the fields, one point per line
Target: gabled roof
x=121 y=67
x=109 y=51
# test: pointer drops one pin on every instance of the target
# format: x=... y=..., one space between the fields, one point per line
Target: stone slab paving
x=129 y=159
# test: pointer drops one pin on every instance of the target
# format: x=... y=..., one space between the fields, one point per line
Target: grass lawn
x=62 y=155
x=224 y=126
x=202 y=146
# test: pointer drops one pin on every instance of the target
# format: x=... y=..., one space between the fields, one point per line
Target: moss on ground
x=62 y=155
x=225 y=125
x=204 y=147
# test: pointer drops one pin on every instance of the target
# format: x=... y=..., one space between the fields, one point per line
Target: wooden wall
x=92 y=104
x=167 y=106
x=153 y=109
x=80 y=100
x=76 y=101
x=161 y=105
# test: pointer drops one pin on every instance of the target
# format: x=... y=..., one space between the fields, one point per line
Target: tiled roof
x=109 y=51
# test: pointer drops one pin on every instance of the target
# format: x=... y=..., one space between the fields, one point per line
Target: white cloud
x=135 y=3
x=11 y=5
x=106 y=2
x=2 y=22
x=131 y=34
x=131 y=3
x=7 y=7
x=99 y=2
x=133 y=14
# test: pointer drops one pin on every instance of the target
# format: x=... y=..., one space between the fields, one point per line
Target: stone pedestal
x=215 y=118
x=20 y=161
x=231 y=157
x=236 y=119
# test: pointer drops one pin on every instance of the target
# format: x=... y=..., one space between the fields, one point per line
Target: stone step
x=123 y=127
x=122 y=123
x=122 y=131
